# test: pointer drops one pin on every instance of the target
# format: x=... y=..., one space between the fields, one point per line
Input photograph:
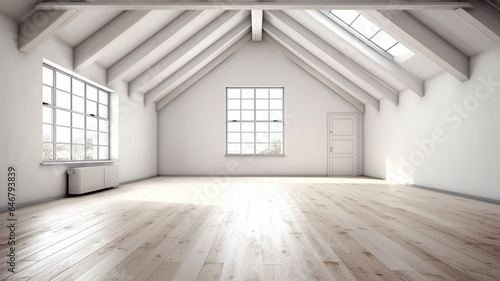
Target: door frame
x=359 y=143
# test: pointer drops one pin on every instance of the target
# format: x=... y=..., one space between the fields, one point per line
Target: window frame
x=386 y=52
x=255 y=121
x=101 y=145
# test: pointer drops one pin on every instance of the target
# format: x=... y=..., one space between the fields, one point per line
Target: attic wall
x=448 y=139
x=192 y=128
x=21 y=128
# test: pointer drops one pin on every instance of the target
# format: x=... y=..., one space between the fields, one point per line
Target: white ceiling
x=455 y=30
x=159 y=57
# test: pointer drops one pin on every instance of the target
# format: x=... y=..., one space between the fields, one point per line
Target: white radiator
x=87 y=179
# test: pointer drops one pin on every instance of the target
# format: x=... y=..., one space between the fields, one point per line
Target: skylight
x=371 y=34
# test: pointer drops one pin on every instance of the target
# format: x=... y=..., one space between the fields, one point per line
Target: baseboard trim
x=36 y=202
x=459 y=194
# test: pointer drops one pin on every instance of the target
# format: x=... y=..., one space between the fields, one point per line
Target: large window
x=255 y=121
x=75 y=118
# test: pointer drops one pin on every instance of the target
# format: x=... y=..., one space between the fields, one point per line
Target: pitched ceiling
x=161 y=47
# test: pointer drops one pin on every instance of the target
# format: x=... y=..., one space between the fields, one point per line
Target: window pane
x=103 y=126
x=48 y=76
x=233 y=149
x=103 y=139
x=247 y=93
x=78 y=152
x=63 y=100
x=248 y=149
x=276 y=115
x=91 y=93
x=47 y=95
x=276 y=127
x=91 y=152
x=247 y=115
x=262 y=104
x=247 y=137
x=233 y=137
x=233 y=93
x=262 y=115
x=78 y=121
x=91 y=107
x=383 y=40
x=276 y=104
x=103 y=152
x=63 y=81
x=262 y=93
x=276 y=147
x=276 y=137
x=78 y=88
x=48 y=151
x=91 y=123
x=63 y=118
x=47 y=133
x=233 y=115
x=247 y=104
x=262 y=137
x=400 y=53
x=247 y=127
x=346 y=16
x=78 y=104
x=91 y=138
x=233 y=104
x=262 y=127
x=63 y=135
x=103 y=97
x=233 y=127
x=47 y=115
x=276 y=93
x=262 y=148
x=103 y=111
x=365 y=27
x=62 y=151
x=78 y=136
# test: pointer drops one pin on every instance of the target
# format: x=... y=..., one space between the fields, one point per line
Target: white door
x=342 y=144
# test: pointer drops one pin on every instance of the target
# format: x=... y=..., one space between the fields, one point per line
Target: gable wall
x=192 y=128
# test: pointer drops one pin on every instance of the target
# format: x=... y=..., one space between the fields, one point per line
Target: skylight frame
x=368 y=41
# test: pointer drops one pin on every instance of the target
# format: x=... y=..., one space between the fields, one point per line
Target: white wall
x=21 y=129
x=191 y=129
x=449 y=139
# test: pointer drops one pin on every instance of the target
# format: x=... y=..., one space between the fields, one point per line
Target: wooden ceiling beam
x=317 y=64
x=331 y=56
x=484 y=18
x=152 y=47
x=41 y=25
x=192 y=67
x=177 y=58
x=257 y=18
x=102 y=41
x=253 y=5
x=413 y=33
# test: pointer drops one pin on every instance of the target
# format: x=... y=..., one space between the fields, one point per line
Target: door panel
x=343 y=166
x=342 y=127
x=343 y=146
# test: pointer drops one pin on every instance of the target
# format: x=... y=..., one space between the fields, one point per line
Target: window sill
x=254 y=155
x=78 y=162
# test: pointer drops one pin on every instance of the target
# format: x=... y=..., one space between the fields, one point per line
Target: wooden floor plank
x=257 y=228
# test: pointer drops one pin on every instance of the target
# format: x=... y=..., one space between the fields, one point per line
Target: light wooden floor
x=257 y=229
